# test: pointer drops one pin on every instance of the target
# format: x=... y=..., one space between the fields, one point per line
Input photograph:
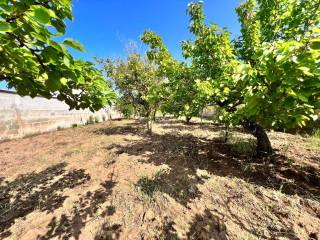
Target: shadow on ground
x=36 y=191
x=203 y=226
x=87 y=209
x=108 y=232
x=185 y=154
x=207 y=226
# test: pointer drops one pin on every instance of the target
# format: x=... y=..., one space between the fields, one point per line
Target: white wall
x=21 y=116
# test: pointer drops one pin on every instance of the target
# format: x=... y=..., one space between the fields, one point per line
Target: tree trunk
x=188 y=119
x=201 y=116
x=154 y=115
x=149 y=124
x=226 y=135
x=264 y=147
x=149 y=121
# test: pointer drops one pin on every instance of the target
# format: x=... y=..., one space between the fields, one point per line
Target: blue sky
x=105 y=26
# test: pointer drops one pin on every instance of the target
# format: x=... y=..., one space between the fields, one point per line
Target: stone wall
x=22 y=116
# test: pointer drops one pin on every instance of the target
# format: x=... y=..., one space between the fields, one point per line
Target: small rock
x=192 y=189
x=149 y=216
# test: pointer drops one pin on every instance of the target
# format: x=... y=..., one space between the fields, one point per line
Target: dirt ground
x=113 y=181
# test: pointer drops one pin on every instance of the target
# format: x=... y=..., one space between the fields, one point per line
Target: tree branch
x=33 y=51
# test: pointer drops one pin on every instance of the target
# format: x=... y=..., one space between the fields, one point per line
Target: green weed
x=91 y=120
x=241 y=146
x=149 y=186
x=315 y=139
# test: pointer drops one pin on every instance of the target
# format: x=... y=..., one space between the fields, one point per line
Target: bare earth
x=113 y=181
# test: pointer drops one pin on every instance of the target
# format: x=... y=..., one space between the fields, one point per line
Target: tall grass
x=315 y=138
x=316 y=134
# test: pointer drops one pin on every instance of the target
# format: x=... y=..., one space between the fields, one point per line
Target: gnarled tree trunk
x=188 y=119
x=264 y=147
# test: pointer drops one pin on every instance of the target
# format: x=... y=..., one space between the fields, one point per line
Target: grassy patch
x=315 y=139
x=240 y=145
x=91 y=120
x=149 y=186
x=72 y=152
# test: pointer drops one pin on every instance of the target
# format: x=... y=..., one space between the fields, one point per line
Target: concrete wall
x=21 y=116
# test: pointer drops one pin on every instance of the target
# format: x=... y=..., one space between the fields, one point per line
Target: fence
x=21 y=116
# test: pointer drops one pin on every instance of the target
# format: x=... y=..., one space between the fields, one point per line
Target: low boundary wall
x=22 y=116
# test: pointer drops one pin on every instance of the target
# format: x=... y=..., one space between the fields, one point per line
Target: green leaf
x=315 y=44
x=5 y=7
x=291 y=92
x=41 y=14
x=306 y=71
x=74 y=44
x=40 y=37
x=226 y=90
x=53 y=83
x=302 y=97
x=66 y=61
x=280 y=58
x=59 y=25
x=5 y=27
x=55 y=45
x=64 y=81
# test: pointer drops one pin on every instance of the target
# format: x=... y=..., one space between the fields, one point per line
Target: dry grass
x=113 y=181
x=315 y=139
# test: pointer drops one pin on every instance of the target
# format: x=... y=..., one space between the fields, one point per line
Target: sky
x=104 y=27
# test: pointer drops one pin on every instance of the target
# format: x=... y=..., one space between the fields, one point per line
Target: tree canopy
x=181 y=94
x=268 y=78
x=137 y=84
x=34 y=63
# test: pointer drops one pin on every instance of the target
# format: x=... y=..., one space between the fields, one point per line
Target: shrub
x=90 y=120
